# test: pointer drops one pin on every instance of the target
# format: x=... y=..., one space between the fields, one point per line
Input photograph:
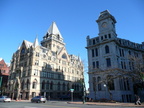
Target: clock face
x=104 y=24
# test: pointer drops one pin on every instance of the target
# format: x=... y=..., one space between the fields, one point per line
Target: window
x=43 y=85
x=96 y=52
x=109 y=35
x=92 y=52
x=27 y=84
x=110 y=82
x=35 y=72
x=93 y=41
x=47 y=85
x=37 y=54
x=64 y=56
x=106 y=36
x=58 y=88
x=99 y=85
x=23 y=50
x=94 y=84
x=37 y=62
x=34 y=84
x=101 y=37
x=93 y=64
x=106 y=49
x=63 y=86
x=51 y=86
x=108 y=62
x=97 y=64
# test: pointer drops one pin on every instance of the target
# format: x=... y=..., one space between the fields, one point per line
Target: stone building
x=109 y=56
x=45 y=69
x=4 y=73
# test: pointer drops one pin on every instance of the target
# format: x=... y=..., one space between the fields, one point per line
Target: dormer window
x=23 y=50
x=64 y=56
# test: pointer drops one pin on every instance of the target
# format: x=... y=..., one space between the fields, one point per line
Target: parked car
x=5 y=99
x=38 y=99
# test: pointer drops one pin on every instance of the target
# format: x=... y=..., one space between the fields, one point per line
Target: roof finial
x=36 y=42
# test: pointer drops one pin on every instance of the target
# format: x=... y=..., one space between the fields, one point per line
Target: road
x=54 y=104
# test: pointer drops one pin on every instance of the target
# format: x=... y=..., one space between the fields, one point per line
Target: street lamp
x=105 y=89
x=83 y=93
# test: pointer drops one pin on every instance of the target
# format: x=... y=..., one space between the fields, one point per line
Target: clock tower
x=106 y=24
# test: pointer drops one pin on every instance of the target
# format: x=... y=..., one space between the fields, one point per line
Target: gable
x=62 y=54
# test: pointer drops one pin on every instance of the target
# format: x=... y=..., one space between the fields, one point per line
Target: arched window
x=59 y=86
x=63 y=86
x=51 y=85
x=47 y=85
x=43 y=85
x=68 y=88
x=110 y=82
x=106 y=49
x=72 y=86
x=77 y=87
x=22 y=85
x=99 y=85
x=64 y=56
x=94 y=84
x=27 y=84
x=34 y=84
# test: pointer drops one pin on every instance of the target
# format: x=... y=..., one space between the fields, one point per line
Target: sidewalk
x=93 y=103
x=108 y=104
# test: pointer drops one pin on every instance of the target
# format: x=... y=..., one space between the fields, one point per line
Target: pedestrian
x=137 y=100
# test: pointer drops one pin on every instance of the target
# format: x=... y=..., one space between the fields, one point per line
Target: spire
x=35 y=44
x=53 y=29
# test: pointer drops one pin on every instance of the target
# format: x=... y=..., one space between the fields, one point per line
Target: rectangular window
x=92 y=52
x=106 y=36
x=93 y=41
x=37 y=54
x=35 y=72
x=102 y=38
x=93 y=64
x=37 y=62
x=108 y=62
x=122 y=65
x=97 y=64
x=96 y=52
x=109 y=35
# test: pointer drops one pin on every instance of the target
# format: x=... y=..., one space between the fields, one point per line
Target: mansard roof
x=104 y=15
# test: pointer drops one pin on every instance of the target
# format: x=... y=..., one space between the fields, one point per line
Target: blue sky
x=25 y=19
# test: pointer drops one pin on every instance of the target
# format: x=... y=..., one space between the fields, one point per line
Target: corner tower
x=53 y=39
x=106 y=24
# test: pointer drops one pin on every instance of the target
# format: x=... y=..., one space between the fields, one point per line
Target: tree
x=135 y=73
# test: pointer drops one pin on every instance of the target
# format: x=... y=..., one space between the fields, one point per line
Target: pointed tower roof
x=53 y=29
x=35 y=44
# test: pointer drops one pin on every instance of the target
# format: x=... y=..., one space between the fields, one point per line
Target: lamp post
x=105 y=89
x=0 y=84
x=0 y=81
x=83 y=93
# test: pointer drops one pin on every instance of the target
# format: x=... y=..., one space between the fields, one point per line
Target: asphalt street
x=53 y=104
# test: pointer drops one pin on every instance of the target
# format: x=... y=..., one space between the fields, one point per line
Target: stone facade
x=45 y=69
x=4 y=73
x=109 y=55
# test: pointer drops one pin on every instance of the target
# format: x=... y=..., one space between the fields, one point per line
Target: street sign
x=72 y=90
